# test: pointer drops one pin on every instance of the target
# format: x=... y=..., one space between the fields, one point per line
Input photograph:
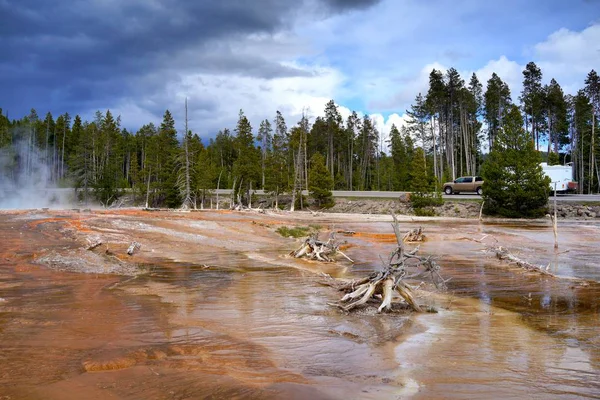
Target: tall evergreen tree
x=247 y=165
x=556 y=116
x=333 y=122
x=165 y=163
x=265 y=138
x=321 y=182
x=532 y=99
x=582 y=126
x=514 y=183
x=592 y=90
x=497 y=100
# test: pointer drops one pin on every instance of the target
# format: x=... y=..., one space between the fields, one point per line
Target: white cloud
x=509 y=71
x=406 y=88
x=565 y=55
x=569 y=56
x=384 y=125
x=258 y=98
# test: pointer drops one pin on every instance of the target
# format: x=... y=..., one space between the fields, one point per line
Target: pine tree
x=497 y=99
x=514 y=183
x=166 y=162
x=582 y=126
x=592 y=90
x=556 y=115
x=320 y=182
x=246 y=167
x=106 y=184
x=418 y=173
x=400 y=159
x=333 y=122
x=265 y=138
x=532 y=99
x=5 y=137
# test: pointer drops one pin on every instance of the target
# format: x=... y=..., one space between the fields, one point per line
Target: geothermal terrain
x=210 y=305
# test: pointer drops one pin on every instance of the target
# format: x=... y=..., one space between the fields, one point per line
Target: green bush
x=420 y=199
x=425 y=212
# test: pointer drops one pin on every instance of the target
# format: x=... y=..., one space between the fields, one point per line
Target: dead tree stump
x=315 y=249
x=400 y=265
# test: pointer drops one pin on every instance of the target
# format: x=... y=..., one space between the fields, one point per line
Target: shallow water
x=221 y=313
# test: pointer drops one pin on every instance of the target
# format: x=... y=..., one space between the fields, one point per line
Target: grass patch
x=298 y=231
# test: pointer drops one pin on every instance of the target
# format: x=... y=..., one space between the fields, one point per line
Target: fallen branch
x=502 y=253
x=93 y=243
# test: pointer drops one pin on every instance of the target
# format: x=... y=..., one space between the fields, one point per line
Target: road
x=395 y=195
x=391 y=195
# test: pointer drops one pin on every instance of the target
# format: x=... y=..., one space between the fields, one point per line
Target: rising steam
x=25 y=179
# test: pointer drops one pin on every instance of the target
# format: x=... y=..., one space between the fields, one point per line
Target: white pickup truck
x=561 y=177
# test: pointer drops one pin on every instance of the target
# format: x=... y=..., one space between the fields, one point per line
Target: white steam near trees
x=25 y=179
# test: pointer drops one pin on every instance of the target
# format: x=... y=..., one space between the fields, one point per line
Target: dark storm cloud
x=70 y=55
x=342 y=5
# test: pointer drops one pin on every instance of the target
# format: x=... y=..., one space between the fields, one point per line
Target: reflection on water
x=227 y=321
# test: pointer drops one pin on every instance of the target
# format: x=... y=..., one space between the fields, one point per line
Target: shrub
x=297 y=231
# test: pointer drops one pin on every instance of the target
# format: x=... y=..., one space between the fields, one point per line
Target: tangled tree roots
x=414 y=235
x=314 y=249
x=390 y=280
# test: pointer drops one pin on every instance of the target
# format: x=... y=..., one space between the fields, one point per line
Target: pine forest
x=451 y=128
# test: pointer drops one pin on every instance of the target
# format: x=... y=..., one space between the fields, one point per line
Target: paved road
x=390 y=195
x=395 y=195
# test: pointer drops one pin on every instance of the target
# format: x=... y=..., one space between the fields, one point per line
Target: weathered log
x=502 y=253
x=93 y=243
x=133 y=247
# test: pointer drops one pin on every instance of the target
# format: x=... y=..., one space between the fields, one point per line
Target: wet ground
x=210 y=307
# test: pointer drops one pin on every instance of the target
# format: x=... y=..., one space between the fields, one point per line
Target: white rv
x=561 y=176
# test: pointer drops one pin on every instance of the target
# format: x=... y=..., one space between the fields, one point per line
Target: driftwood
x=502 y=253
x=414 y=235
x=315 y=249
x=401 y=265
x=93 y=243
x=133 y=247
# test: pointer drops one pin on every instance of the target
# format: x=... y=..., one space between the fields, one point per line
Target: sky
x=141 y=57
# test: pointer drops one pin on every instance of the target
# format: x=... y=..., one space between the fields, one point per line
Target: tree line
x=448 y=128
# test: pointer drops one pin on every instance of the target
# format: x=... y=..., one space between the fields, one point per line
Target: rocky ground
x=468 y=208
x=451 y=209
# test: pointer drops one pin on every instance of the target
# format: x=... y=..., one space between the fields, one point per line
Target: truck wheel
x=448 y=190
x=479 y=191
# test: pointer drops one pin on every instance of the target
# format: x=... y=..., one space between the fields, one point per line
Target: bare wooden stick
x=554 y=222
x=481 y=211
x=133 y=247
